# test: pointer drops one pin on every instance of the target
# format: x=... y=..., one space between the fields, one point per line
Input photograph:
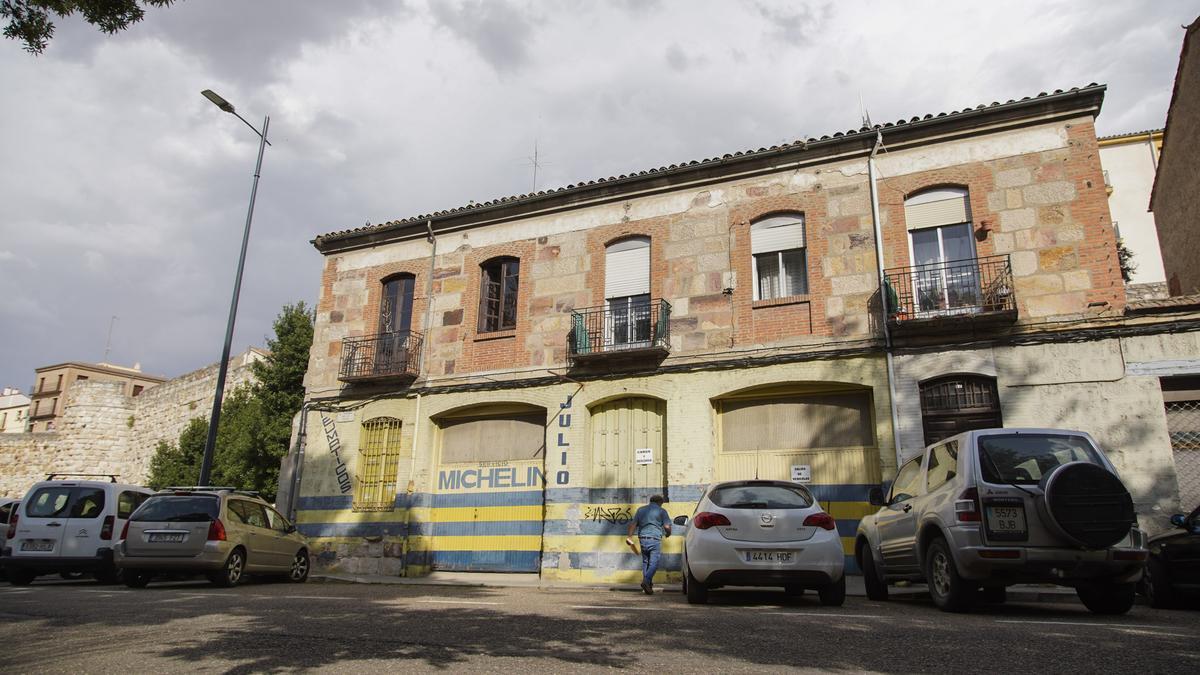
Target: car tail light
x=125 y=531
x=107 y=528
x=966 y=508
x=216 y=530
x=12 y=526
x=822 y=520
x=705 y=520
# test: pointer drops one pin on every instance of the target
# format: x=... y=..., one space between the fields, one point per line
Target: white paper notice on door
x=644 y=455
x=801 y=473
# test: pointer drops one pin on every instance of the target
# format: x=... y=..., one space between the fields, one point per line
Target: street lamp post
x=214 y=420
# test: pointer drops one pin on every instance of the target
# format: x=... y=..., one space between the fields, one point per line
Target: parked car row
x=969 y=516
x=120 y=532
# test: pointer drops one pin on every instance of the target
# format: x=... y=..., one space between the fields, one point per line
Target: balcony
x=950 y=296
x=636 y=330
x=385 y=357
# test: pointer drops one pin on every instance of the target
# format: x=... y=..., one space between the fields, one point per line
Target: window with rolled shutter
x=627 y=268
x=935 y=208
x=780 y=257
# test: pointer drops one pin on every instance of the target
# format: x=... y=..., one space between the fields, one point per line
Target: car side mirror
x=875 y=496
x=1179 y=520
x=680 y=520
x=289 y=529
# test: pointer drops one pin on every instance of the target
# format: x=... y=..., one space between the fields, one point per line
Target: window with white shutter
x=780 y=256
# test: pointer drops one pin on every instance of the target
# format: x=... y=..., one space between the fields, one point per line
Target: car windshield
x=1025 y=458
x=761 y=496
x=178 y=508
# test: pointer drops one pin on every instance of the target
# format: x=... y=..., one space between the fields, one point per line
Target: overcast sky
x=124 y=191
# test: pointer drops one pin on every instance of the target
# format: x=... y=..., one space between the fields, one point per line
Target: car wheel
x=950 y=592
x=995 y=594
x=876 y=587
x=697 y=594
x=1106 y=598
x=19 y=577
x=137 y=579
x=833 y=595
x=299 y=571
x=1156 y=585
x=233 y=571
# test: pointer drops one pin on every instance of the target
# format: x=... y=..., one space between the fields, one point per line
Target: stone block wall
x=105 y=431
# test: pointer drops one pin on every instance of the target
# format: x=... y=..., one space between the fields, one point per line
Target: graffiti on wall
x=335 y=449
x=617 y=515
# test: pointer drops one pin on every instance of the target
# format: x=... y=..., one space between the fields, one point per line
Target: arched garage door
x=487 y=512
x=829 y=436
x=629 y=447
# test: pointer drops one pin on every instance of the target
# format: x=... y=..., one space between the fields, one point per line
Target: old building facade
x=52 y=384
x=498 y=387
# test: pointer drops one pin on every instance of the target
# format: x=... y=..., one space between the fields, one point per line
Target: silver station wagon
x=223 y=533
x=989 y=508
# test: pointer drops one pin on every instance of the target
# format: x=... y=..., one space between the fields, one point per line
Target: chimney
x=137 y=366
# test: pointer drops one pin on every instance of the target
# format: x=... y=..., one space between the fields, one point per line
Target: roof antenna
x=862 y=111
x=535 y=163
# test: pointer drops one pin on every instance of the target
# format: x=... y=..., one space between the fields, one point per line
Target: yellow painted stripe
x=346 y=516
x=577 y=511
x=466 y=514
x=849 y=510
x=592 y=576
x=518 y=542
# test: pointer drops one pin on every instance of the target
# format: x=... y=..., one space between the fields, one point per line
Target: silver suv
x=994 y=507
x=221 y=532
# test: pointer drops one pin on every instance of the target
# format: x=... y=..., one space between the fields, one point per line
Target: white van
x=65 y=526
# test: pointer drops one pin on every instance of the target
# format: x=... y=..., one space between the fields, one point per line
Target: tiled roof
x=1130 y=134
x=802 y=143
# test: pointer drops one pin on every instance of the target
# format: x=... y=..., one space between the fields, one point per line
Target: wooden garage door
x=619 y=430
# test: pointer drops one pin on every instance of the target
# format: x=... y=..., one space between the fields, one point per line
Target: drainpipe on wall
x=428 y=298
x=301 y=442
x=408 y=507
x=872 y=177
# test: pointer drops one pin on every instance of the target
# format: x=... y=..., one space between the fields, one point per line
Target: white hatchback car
x=762 y=533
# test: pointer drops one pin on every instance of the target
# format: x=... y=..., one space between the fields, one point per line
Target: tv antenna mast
x=108 y=342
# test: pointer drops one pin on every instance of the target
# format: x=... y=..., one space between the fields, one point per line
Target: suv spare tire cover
x=1088 y=505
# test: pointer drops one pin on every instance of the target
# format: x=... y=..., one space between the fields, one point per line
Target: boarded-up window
x=797 y=422
x=378 y=463
x=493 y=438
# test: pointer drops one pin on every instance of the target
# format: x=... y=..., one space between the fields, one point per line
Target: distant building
x=14 y=411
x=51 y=384
x=1175 y=198
x=1130 y=162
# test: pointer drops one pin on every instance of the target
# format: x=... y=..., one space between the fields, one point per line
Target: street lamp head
x=218 y=101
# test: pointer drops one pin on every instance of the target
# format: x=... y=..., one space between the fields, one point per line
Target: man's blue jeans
x=651 y=552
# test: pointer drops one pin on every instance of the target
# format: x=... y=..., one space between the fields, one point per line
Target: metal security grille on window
x=1183 y=423
x=379 y=458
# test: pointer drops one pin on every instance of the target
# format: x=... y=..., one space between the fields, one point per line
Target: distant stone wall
x=1147 y=291
x=103 y=431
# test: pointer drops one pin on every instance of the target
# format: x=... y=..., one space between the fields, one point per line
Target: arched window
x=780 y=264
x=499 y=280
x=957 y=403
x=396 y=304
x=627 y=291
x=943 y=251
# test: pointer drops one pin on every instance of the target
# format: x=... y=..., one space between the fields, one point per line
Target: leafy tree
x=1125 y=259
x=256 y=420
x=30 y=20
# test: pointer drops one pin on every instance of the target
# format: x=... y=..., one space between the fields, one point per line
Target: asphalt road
x=278 y=627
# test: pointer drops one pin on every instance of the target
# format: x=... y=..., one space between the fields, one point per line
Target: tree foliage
x=1125 y=259
x=30 y=21
x=256 y=420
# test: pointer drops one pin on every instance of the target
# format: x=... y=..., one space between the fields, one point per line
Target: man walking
x=651 y=523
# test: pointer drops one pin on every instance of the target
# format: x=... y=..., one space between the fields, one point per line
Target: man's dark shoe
x=647 y=588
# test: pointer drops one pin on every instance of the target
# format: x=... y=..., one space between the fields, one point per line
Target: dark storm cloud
x=500 y=31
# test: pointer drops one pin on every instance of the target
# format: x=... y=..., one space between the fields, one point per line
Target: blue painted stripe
x=841 y=493
x=318 y=530
x=482 y=528
x=485 y=561
x=679 y=493
x=444 y=500
x=327 y=503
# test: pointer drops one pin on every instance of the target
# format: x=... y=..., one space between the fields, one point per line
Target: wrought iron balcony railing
x=633 y=327
x=956 y=288
x=386 y=356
